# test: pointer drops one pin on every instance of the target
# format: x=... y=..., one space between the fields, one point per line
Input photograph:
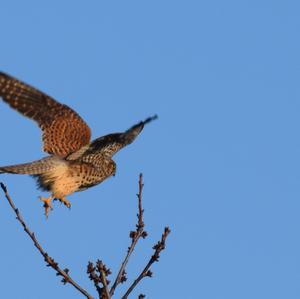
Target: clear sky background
x=221 y=165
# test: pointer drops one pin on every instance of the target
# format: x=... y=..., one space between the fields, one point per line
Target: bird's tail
x=33 y=168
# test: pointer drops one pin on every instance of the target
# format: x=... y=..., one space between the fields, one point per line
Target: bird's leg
x=65 y=202
x=47 y=204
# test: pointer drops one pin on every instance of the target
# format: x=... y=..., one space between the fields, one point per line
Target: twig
x=160 y=246
x=98 y=274
x=104 y=272
x=135 y=236
x=91 y=271
x=49 y=260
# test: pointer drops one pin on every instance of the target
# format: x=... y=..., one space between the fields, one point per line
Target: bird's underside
x=74 y=162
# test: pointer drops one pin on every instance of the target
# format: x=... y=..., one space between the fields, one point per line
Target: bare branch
x=48 y=259
x=160 y=246
x=135 y=236
x=104 y=272
x=98 y=273
x=93 y=276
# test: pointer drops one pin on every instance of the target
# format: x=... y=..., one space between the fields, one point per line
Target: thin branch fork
x=93 y=276
x=49 y=260
x=104 y=272
x=135 y=236
x=160 y=246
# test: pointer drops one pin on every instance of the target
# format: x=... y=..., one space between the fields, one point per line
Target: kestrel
x=74 y=162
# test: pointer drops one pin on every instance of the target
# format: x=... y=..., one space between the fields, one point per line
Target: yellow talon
x=65 y=202
x=47 y=204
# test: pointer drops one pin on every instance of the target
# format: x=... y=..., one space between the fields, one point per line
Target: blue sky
x=221 y=165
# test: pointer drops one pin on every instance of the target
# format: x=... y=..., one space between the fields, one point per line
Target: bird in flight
x=74 y=163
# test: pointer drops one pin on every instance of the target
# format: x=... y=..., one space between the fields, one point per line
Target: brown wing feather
x=64 y=131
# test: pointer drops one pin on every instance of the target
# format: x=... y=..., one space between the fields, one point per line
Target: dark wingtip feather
x=149 y=119
x=141 y=124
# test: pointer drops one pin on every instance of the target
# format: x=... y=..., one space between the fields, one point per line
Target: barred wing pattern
x=64 y=131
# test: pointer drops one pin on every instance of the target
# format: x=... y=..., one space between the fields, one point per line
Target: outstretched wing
x=108 y=145
x=64 y=131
